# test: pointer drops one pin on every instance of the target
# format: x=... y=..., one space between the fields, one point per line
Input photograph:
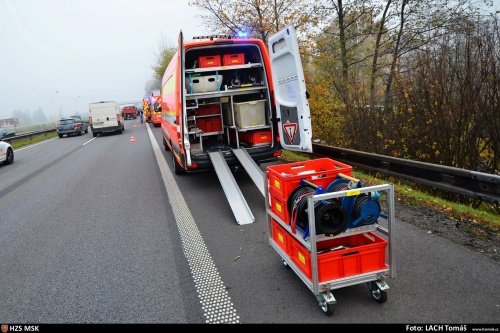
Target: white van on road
x=105 y=117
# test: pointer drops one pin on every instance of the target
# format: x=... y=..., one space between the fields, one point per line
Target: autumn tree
x=413 y=24
x=348 y=25
x=166 y=54
x=257 y=18
x=450 y=100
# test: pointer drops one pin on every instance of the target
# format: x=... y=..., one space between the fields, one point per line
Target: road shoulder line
x=214 y=298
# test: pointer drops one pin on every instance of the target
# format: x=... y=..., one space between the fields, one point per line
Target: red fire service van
x=230 y=102
x=155 y=108
x=222 y=96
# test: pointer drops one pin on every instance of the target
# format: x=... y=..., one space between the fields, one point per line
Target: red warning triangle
x=290 y=129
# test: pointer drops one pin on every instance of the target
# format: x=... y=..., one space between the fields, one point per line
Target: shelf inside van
x=227 y=92
x=252 y=128
x=222 y=68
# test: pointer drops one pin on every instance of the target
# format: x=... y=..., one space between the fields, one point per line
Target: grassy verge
x=289 y=156
x=412 y=196
x=35 y=139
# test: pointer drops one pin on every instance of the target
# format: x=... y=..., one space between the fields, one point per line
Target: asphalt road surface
x=101 y=232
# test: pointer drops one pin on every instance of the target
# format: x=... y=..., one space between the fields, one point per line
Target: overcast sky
x=87 y=50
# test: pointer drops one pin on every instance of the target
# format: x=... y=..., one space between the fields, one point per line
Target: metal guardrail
x=28 y=135
x=477 y=185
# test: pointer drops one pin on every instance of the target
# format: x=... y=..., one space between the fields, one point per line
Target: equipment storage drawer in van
x=257 y=138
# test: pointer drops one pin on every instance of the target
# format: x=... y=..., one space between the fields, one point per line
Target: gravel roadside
x=467 y=233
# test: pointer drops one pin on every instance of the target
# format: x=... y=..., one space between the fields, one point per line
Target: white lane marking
x=36 y=144
x=89 y=141
x=216 y=303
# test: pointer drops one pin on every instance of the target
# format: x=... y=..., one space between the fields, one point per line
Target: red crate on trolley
x=279 y=207
x=284 y=178
x=342 y=257
x=280 y=236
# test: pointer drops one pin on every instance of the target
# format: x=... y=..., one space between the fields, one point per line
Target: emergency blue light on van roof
x=242 y=34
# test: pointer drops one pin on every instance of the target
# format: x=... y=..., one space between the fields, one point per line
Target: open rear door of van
x=182 y=127
x=290 y=91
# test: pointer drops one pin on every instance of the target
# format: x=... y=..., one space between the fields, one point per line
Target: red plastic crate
x=280 y=236
x=208 y=125
x=209 y=61
x=279 y=207
x=284 y=178
x=233 y=59
x=257 y=137
x=208 y=110
x=342 y=257
x=216 y=124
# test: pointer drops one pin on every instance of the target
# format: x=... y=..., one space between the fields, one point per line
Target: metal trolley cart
x=325 y=263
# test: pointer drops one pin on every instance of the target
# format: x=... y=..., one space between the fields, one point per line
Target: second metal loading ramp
x=233 y=193
x=251 y=168
x=237 y=202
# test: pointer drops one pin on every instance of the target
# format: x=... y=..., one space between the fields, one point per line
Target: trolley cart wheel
x=326 y=302
x=379 y=294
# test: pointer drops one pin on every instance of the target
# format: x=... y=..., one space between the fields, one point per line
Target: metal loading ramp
x=237 y=202
x=251 y=168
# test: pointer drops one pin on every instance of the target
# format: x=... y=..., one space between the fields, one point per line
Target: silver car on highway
x=6 y=153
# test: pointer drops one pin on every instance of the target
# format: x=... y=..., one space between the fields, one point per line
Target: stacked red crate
x=207 y=110
x=284 y=178
x=280 y=236
x=341 y=257
x=209 y=125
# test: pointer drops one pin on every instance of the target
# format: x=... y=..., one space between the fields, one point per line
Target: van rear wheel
x=165 y=144
x=178 y=170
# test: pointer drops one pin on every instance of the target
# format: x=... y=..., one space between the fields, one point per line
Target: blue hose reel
x=362 y=209
x=333 y=216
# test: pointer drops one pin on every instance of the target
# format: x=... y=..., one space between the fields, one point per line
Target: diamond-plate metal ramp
x=251 y=168
x=233 y=194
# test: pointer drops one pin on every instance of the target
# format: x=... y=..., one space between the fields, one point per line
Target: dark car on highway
x=72 y=125
x=6 y=133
